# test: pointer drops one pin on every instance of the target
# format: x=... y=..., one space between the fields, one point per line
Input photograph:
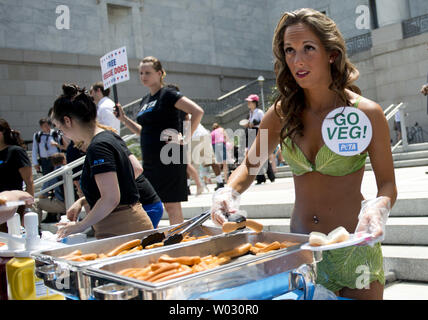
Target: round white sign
x=347 y=131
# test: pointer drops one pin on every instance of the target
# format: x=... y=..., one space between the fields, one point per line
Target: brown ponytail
x=10 y=136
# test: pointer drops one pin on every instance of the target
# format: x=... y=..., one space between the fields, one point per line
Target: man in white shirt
x=46 y=142
x=254 y=118
x=105 y=106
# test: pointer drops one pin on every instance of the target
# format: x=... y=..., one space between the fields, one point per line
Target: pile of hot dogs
x=125 y=248
x=168 y=268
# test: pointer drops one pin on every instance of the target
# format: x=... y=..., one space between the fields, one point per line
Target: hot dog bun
x=337 y=235
x=317 y=239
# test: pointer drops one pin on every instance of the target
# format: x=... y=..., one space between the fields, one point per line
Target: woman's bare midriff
x=324 y=203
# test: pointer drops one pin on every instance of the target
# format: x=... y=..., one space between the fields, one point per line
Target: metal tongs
x=177 y=237
x=161 y=236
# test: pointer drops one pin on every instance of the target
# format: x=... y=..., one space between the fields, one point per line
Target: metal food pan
x=107 y=284
x=66 y=276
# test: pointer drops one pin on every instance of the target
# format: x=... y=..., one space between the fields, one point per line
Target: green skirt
x=354 y=267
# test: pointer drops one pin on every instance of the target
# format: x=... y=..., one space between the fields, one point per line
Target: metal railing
x=415 y=26
x=389 y=113
x=237 y=96
x=359 y=43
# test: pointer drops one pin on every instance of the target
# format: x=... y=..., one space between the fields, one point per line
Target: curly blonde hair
x=291 y=97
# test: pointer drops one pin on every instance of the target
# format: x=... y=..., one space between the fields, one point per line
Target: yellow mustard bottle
x=23 y=283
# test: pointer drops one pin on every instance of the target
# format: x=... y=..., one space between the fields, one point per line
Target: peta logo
x=99 y=161
x=348 y=147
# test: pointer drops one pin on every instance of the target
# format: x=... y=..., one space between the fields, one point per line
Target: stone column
x=138 y=35
x=392 y=11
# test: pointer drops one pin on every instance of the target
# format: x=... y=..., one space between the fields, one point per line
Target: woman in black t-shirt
x=15 y=166
x=158 y=124
x=107 y=180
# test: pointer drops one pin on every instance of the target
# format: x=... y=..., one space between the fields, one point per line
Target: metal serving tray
x=65 y=276
x=107 y=284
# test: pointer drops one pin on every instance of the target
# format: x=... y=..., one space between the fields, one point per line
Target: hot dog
x=165 y=267
x=76 y=258
x=123 y=252
x=237 y=252
x=137 y=248
x=182 y=260
x=164 y=274
x=89 y=256
x=71 y=254
x=273 y=246
x=155 y=245
x=288 y=244
x=125 y=246
x=175 y=275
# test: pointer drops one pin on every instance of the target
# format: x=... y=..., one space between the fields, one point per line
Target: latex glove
x=225 y=201
x=372 y=219
x=67 y=228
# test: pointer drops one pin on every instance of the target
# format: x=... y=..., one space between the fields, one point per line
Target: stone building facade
x=208 y=47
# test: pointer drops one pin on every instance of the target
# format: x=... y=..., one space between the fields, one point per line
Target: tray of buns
x=188 y=272
x=61 y=269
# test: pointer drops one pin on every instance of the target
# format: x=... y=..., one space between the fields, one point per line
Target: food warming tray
x=65 y=276
x=105 y=283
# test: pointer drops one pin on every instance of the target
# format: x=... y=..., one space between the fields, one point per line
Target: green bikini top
x=326 y=161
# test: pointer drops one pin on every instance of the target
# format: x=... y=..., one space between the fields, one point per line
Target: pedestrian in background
x=158 y=124
x=218 y=140
x=15 y=166
x=255 y=116
x=46 y=142
x=105 y=106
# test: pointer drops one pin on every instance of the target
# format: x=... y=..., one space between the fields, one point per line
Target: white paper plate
x=244 y=122
x=353 y=240
x=12 y=204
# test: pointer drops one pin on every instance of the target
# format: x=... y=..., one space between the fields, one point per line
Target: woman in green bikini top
x=314 y=76
x=326 y=161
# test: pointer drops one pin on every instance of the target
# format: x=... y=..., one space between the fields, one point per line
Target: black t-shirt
x=157 y=114
x=12 y=159
x=106 y=154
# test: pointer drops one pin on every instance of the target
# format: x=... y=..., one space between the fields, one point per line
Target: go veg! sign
x=114 y=67
x=347 y=131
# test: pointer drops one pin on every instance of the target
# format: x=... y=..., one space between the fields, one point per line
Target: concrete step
x=412 y=147
x=280 y=207
x=403 y=290
x=409 y=263
x=410 y=155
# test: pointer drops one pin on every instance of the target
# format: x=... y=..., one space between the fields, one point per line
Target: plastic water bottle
x=31 y=223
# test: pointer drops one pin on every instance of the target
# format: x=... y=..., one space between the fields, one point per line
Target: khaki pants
x=123 y=220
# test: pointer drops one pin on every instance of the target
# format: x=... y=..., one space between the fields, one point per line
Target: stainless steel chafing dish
x=292 y=266
x=66 y=276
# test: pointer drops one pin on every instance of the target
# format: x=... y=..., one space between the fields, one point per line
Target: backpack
x=55 y=135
